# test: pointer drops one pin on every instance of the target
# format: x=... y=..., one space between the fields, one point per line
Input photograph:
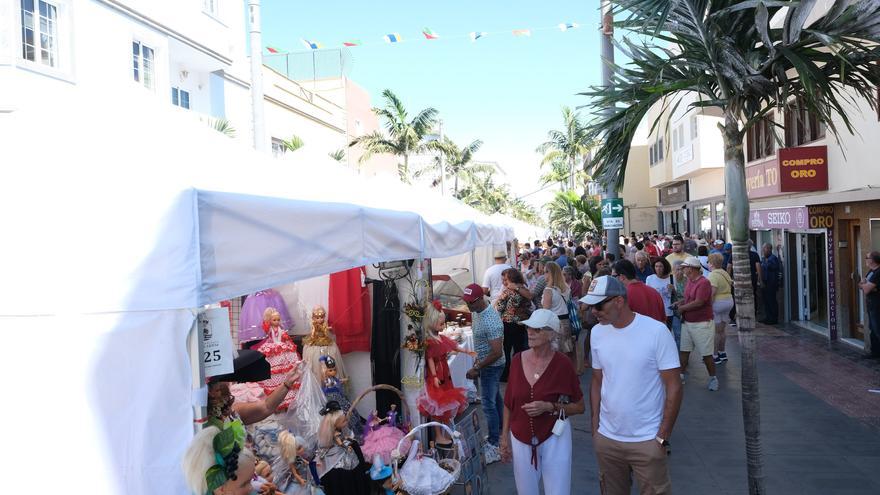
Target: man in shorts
x=698 y=327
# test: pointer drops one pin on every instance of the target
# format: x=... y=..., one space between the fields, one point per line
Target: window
x=678 y=140
x=693 y=127
x=655 y=152
x=761 y=142
x=278 y=147
x=39 y=32
x=211 y=7
x=801 y=126
x=142 y=58
x=180 y=98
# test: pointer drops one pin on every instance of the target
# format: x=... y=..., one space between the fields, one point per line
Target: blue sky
x=505 y=90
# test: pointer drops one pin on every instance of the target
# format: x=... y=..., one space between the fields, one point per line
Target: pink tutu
x=382 y=441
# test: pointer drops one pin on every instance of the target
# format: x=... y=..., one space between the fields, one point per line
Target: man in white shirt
x=492 y=283
x=635 y=394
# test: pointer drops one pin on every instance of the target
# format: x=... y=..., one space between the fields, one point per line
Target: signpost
x=612 y=213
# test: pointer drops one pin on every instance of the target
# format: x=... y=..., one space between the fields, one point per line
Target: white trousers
x=554 y=465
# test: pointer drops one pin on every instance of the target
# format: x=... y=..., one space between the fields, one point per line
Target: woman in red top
x=440 y=399
x=542 y=388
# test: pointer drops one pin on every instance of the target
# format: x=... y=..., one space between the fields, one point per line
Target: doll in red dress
x=440 y=399
x=280 y=351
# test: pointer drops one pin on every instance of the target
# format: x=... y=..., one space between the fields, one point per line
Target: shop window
x=278 y=147
x=39 y=32
x=703 y=217
x=720 y=223
x=142 y=59
x=760 y=140
x=801 y=125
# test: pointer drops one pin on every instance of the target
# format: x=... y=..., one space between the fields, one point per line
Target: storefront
x=673 y=213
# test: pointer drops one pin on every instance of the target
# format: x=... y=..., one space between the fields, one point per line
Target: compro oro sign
x=803 y=169
x=612 y=213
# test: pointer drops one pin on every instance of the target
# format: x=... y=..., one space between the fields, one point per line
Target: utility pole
x=442 y=164
x=256 y=40
x=607 y=57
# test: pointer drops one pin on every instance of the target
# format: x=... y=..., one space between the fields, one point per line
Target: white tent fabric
x=121 y=221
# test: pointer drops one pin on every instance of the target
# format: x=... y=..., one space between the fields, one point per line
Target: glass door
x=809 y=294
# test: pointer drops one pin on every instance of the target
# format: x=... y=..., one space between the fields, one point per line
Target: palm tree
x=728 y=53
x=402 y=137
x=337 y=155
x=294 y=143
x=459 y=162
x=579 y=215
x=571 y=145
x=222 y=126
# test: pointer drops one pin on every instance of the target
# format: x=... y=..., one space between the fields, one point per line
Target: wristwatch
x=662 y=441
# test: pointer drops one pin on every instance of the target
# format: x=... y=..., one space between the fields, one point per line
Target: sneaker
x=491 y=453
x=717 y=358
x=722 y=356
x=713 y=383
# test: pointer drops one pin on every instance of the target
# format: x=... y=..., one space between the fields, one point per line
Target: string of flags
x=430 y=35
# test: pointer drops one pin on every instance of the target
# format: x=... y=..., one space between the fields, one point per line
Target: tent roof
x=139 y=206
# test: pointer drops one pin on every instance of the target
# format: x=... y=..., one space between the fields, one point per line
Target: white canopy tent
x=126 y=220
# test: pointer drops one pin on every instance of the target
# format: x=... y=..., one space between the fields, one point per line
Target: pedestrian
x=869 y=286
x=542 y=390
x=514 y=305
x=488 y=332
x=698 y=328
x=642 y=299
x=573 y=281
x=643 y=266
x=492 y=282
x=555 y=298
x=661 y=281
x=770 y=275
x=722 y=303
x=635 y=393
x=679 y=281
x=677 y=253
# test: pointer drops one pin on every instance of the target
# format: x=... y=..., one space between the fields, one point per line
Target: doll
x=293 y=453
x=339 y=461
x=439 y=399
x=333 y=391
x=319 y=343
x=280 y=351
x=380 y=440
x=250 y=327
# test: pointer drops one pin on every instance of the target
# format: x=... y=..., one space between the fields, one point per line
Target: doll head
x=271 y=318
x=434 y=319
x=291 y=446
x=319 y=316
x=236 y=466
x=329 y=366
x=332 y=420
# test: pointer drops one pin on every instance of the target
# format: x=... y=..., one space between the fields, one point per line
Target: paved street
x=820 y=425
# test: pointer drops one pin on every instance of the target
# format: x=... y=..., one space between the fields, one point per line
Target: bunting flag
x=272 y=49
x=393 y=38
x=430 y=35
x=565 y=26
x=311 y=44
x=476 y=35
x=522 y=32
x=351 y=43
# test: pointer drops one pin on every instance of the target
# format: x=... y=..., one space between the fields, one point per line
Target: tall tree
x=403 y=136
x=728 y=53
x=459 y=161
x=579 y=215
x=570 y=145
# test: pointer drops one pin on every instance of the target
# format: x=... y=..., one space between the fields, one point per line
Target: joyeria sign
x=803 y=169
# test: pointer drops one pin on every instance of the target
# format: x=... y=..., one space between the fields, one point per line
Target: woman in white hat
x=542 y=391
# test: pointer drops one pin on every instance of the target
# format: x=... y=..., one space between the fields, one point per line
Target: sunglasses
x=598 y=306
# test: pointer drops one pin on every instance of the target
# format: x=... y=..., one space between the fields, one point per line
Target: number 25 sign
x=216 y=356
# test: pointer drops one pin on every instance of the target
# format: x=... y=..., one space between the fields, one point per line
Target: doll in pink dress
x=280 y=351
x=380 y=439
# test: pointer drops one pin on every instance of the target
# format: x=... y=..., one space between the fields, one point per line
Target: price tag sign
x=217 y=354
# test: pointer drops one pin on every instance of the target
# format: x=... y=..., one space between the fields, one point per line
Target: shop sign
x=674 y=193
x=762 y=180
x=832 y=284
x=216 y=349
x=821 y=217
x=780 y=218
x=803 y=169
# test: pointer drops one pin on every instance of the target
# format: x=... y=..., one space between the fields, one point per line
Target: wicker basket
x=453 y=464
x=404 y=413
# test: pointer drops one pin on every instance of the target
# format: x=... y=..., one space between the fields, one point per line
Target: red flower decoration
x=437 y=305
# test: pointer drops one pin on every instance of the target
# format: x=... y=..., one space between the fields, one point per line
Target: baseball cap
x=692 y=261
x=472 y=292
x=542 y=318
x=500 y=255
x=602 y=288
x=718 y=242
x=702 y=242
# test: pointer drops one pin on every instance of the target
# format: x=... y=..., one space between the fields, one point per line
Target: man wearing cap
x=717 y=247
x=635 y=393
x=488 y=339
x=698 y=328
x=492 y=282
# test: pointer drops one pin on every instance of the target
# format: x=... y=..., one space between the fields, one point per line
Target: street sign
x=612 y=213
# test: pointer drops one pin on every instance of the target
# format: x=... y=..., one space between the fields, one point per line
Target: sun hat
x=542 y=318
x=693 y=262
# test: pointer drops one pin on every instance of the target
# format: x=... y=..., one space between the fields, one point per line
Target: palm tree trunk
x=738 y=211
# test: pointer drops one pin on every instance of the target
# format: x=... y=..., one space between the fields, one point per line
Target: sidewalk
x=820 y=425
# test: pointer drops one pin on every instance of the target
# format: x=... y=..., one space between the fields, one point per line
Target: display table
x=459 y=364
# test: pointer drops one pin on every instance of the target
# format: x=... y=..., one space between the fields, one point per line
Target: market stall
x=132 y=225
